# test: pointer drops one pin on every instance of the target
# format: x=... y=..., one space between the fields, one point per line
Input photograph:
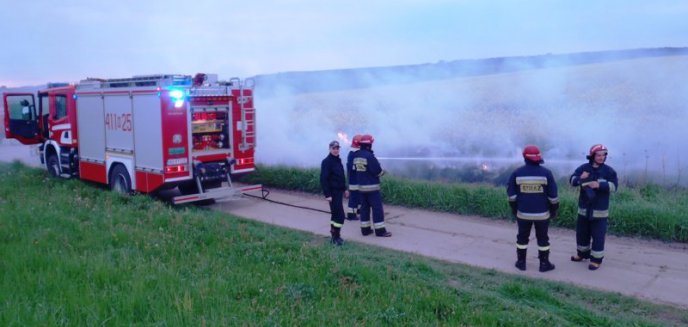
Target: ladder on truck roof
x=248 y=113
x=159 y=80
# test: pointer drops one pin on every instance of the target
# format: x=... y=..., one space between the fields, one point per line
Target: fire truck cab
x=143 y=133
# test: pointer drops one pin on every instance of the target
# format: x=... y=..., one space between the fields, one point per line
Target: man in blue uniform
x=333 y=183
x=596 y=181
x=354 y=197
x=534 y=201
x=368 y=172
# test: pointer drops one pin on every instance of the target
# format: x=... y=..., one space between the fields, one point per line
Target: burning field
x=473 y=128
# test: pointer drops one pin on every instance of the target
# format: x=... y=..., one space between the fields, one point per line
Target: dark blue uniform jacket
x=594 y=203
x=534 y=190
x=368 y=170
x=332 y=176
x=353 y=182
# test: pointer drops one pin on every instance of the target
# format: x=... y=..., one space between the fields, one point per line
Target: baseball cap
x=334 y=144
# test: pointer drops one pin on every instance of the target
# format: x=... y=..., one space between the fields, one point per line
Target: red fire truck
x=144 y=133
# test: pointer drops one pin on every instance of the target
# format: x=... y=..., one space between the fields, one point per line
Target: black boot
x=351 y=216
x=545 y=265
x=521 y=259
x=595 y=263
x=336 y=236
x=382 y=232
x=580 y=256
x=366 y=231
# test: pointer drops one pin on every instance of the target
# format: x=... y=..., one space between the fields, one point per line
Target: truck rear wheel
x=120 y=181
x=53 y=165
x=188 y=188
x=191 y=188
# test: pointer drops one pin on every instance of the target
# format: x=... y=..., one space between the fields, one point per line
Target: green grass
x=648 y=211
x=72 y=253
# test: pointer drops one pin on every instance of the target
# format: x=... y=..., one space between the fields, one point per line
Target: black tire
x=119 y=180
x=188 y=188
x=207 y=202
x=191 y=187
x=212 y=184
x=53 y=165
x=207 y=186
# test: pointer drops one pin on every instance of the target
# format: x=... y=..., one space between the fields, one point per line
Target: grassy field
x=648 y=211
x=75 y=254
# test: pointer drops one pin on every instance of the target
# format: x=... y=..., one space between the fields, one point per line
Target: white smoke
x=635 y=107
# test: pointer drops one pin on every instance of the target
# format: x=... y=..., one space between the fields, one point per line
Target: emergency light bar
x=178 y=96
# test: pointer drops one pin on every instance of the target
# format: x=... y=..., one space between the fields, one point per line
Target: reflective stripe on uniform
x=513 y=198
x=542 y=180
x=595 y=213
x=553 y=200
x=543 y=248
x=379 y=225
x=597 y=254
x=583 y=248
x=369 y=188
x=533 y=216
x=612 y=187
x=353 y=187
x=336 y=224
x=365 y=223
x=521 y=246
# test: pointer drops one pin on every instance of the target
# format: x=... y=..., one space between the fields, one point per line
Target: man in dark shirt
x=534 y=201
x=368 y=173
x=333 y=183
x=596 y=181
x=354 y=196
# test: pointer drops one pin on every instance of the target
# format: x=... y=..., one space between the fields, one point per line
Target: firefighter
x=354 y=197
x=368 y=171
x=533 y=199
x=333 y=183
x=26 y=109
x=596 y=181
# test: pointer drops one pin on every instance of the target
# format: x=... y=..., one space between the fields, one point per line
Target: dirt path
x=650 y=270
x=646 y=269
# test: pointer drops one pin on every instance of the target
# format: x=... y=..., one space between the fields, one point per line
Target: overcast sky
x=68 y=40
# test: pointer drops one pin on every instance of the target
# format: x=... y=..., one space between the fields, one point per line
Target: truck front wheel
x=53 y=165
x=120 y=181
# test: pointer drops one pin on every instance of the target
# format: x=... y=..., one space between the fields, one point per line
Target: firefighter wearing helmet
x=354 y=197
x=596 y=181
x=368 y=171
x=534 y=200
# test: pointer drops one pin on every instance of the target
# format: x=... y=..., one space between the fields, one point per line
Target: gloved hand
x=553 y=210
x=514 y=207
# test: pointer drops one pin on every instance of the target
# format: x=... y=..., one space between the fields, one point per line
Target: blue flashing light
x=177 y=96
